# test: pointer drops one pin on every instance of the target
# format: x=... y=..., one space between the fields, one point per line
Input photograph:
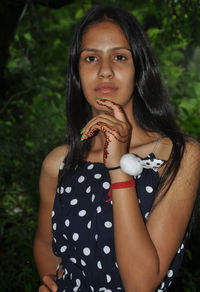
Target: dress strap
x=156 y=145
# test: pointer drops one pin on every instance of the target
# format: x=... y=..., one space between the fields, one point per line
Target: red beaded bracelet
x=120 y=185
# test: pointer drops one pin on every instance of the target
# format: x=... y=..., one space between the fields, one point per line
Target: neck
x=139 y=137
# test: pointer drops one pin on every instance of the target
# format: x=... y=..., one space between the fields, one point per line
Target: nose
x=105 y=70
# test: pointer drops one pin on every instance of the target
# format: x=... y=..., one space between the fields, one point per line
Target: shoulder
x=189 y=169
x=54 y=159
x=191 y=157
x=192 y=148
x=187 y=180
x=164 y=148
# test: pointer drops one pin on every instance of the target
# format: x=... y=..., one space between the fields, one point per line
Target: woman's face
x=106 y=66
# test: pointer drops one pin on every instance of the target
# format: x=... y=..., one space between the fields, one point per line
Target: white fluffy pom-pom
x=130 y=164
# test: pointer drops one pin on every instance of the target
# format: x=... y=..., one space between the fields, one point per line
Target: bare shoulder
x=164 y=148
x=191 y=157
x=54 y=159
x=192 y=148
x=187 y=180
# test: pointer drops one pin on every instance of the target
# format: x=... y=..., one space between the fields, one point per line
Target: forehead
x=104 y=34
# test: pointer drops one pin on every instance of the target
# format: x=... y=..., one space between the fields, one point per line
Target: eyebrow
x=111 y=49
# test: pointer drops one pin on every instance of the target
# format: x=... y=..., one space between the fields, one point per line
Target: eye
x=120 y=58
x=91 y=59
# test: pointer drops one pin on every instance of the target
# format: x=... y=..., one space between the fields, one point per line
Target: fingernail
x=97 y=98
x=82 y=137
x=81 y=132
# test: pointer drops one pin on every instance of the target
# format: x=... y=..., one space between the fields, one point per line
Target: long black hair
x=151 y=108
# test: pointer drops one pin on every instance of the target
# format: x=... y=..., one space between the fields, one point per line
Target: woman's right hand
x=49 y=284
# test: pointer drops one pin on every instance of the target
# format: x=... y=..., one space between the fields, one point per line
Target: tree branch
x=55 y=4
x=14 y=96
x=11 y=11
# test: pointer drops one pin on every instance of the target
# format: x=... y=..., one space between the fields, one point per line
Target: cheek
x=85 y=84
x=132 y=77
x=132 y=82
x=129 y=80
x=86 y=76
x=84 y=80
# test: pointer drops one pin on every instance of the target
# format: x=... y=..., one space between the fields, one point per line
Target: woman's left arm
x=144 y=251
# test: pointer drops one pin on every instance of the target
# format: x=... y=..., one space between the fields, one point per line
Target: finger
x=108 y=130
x=112 y=123
x=43 y=288
x=90 y=131
x=114 y=107
x=50 y=283
x=104 y=117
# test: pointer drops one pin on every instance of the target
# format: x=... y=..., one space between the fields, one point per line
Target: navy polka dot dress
x=82 y=225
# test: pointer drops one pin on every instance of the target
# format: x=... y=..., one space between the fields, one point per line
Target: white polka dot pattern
x=106 y=185
x=81 y=179
x=73 y=202
x=67 y=222
x=82 y=213
x=108 y=278
x=63 y=248
x=146 y=215
x=86 y=251
x=83 y=263
x=89 y=224
x=106 y=249
x=99 y=265
x=162 y=285
x=73 y=260
x=108 y=224
x=75 y=236
x=65 y=236
x=62 y=166
x=98 y=209
x=88 y=190
x=170 y=273
x=97 y=176
x=68 y=190
x=149 y=189
x=91 y=166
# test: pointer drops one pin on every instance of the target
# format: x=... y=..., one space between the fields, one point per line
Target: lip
x=105 y=88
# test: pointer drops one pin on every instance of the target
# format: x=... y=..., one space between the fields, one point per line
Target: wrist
x=120 y=185
x=118 y=175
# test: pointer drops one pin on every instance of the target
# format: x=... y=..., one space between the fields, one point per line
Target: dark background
x=34 y=42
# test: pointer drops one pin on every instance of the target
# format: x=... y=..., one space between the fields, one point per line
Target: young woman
x=110 y=230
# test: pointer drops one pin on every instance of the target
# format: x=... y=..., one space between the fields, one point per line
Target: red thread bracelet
x=120 y=185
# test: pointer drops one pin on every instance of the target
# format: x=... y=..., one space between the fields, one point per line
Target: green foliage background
x=33 y=118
